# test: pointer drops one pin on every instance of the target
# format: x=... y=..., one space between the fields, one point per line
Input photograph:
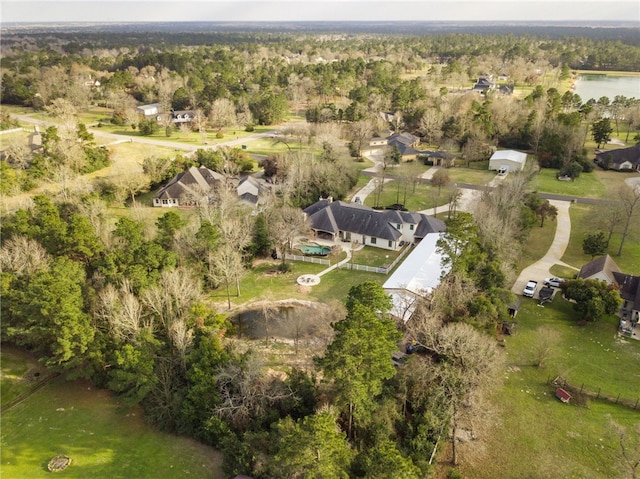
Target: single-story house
x=602 y=268
x=406 y=144
x=622 y=159
x=189 y=187
x=605 y=269
x=507 y=160
x=483 y=84
x=354 y=222
x=182 y=116
x=416 y=277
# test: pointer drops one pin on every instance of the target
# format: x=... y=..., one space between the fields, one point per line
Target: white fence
x=308 y=259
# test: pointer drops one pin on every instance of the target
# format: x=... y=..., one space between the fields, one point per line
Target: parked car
x=554 y=282
x=530 y=289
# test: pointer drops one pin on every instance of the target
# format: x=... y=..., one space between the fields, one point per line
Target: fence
x=308 y=259
x=585 y=391
x=381 y=270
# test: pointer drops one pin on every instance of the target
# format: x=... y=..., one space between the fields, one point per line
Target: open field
x=534 y=434
x=583 y=222
x=419 y=199
x=102 y=439
x=587 y=185
x=471 y=176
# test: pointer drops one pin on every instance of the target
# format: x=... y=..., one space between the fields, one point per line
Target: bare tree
x=223 y=113
x=171 y=298
x=285 y=223
x=122 y=312
x=467 y=370
x=545 y=344
x=628 y=200
x=227 y=267
x=23 y=256
x=18 y=154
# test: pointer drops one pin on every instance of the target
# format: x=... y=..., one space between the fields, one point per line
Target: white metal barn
x=507 y=160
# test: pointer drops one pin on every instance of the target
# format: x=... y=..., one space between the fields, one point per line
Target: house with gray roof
x=622 y=159
x=606 y=269
x=602 y=268
x=356 y=223
x=189 y=188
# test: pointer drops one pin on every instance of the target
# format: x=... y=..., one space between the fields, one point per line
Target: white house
x=356 y=223
x=507 y=160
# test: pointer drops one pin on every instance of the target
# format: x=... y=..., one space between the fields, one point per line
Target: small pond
x=284 y=321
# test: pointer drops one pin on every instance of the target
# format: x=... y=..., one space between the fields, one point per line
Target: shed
x=514 y=308
x=507 y=160
x=563 y=395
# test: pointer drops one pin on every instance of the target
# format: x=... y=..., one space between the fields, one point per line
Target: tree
x=285 y=225
x=463 y=368
x=439 y=179
x=593 y=298
x=595 y=244
x=48 y=316
x=314 y=447
x=546 y=210
x=357 y=361
x=601 y=131
x=628 y=200
x=384 y=461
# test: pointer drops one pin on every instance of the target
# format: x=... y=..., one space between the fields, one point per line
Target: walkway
x=539 y=270
x=313 y=279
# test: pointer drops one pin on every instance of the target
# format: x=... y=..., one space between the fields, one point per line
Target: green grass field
x=102 y=439
x=419 y=199
x=582 y=223
x=537 y=436
x=587 y=185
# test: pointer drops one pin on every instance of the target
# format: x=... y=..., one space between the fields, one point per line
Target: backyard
x=537 y=435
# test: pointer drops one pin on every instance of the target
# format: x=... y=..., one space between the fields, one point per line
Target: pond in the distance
x=596 y=86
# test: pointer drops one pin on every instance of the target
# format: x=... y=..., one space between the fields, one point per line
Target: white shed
x=507 y=160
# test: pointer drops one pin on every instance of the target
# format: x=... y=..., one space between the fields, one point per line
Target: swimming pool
x=315 y=250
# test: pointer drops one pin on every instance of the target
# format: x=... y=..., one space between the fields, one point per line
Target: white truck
x=530 y=289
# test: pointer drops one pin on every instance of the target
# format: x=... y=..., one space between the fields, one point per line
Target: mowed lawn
x=102 y=439
x=537 y=436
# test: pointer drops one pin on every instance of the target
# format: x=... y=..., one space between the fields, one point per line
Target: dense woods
x=127 y=305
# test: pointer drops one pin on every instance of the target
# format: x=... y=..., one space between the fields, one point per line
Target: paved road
x=117 y=138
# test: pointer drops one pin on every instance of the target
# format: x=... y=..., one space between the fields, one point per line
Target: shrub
x=219 y=135
x=249 y=128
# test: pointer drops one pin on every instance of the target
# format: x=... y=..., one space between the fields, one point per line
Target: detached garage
x=507 y=160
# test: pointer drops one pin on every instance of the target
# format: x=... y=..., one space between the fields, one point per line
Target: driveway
x=539 y=270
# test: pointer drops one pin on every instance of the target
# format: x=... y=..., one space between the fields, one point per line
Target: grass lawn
x=102 y=439
x=587 y=185
x=471 y=176
x=537 y=436
x=582 y=224
x=420 y=199
x=372 y=256
x=537 y=245
x=262 y=283
x=15 y=364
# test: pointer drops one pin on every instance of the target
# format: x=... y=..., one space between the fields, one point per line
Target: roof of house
x=193 y=181
x=334 y=216
x=511 y=155
x=404 y=142
x=629 y=288
x=482 y=84
x=603 y=264
x=621 y=155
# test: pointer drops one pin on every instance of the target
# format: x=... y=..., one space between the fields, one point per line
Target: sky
x=316 y=10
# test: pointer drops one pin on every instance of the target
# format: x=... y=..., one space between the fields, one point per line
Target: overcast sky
x=315 y=10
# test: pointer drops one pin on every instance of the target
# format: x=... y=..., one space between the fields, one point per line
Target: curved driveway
x=539 y=270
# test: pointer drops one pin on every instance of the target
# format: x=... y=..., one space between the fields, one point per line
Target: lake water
x=596 y=86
